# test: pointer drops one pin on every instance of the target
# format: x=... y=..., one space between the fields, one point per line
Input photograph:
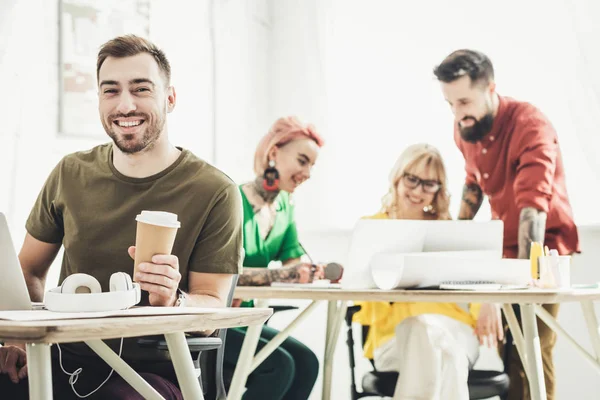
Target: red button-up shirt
x=517 y=165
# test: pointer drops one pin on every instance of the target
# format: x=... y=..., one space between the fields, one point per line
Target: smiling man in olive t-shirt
x=89 y=204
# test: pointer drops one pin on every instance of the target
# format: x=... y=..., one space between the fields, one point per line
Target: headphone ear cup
x=120 y=281
x=80 y=283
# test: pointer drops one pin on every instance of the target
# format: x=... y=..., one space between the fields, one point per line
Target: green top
x=280 y=244
x=90 y=207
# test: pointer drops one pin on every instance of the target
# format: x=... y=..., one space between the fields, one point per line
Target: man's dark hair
x=132 y=45
x=465 y=62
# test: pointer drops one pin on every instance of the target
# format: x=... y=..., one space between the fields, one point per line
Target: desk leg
x=592 y=324
x=184 y=366
x=40 y=371
x=242 y=369
x=123 y=369
x=537 y=386
x=274 y=343
x=335 y=318
x=555 y=326
x=515 y=330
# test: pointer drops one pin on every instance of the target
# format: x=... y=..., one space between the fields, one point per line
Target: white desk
x=526 y=341
x=39 y=335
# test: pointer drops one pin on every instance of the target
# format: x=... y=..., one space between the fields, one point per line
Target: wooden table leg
x=244 y=364
x=537 y=385
x=335 y=317
x=39 y=366
x=184 y=366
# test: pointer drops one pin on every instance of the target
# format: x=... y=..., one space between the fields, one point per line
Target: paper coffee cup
x=155 y=234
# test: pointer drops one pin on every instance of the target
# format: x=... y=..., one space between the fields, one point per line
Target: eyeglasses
x=429 y=186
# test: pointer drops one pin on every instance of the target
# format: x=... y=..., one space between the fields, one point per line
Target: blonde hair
x=283 y=131
x=418 y=157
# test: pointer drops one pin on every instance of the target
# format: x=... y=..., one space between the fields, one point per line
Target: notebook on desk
x=479 y=286
x=314 y=285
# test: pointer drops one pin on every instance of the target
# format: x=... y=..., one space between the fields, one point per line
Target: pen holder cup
x=555 y=272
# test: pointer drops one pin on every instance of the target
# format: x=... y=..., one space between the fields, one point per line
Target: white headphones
x=82 y=293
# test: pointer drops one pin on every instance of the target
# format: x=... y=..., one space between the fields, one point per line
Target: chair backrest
x=211 y=362
x=363 y=339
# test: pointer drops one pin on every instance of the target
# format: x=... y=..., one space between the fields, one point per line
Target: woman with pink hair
x=283 y=161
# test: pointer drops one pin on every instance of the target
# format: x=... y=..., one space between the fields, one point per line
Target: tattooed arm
x=532 y=228
x=299 y=273
x=471 y=201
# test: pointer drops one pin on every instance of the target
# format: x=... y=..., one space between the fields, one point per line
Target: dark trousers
x=160 y=376
x=289 y=373
x=519 y=387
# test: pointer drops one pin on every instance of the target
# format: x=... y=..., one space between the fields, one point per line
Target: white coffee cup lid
x=160 y=218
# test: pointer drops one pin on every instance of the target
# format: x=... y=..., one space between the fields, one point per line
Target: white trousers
x=433 y=354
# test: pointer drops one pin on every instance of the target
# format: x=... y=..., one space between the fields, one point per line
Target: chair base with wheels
x=482 y=384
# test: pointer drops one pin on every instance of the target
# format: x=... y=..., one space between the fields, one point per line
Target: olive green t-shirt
x=89 y=207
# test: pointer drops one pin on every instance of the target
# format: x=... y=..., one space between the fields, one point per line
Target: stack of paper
x=414 y=270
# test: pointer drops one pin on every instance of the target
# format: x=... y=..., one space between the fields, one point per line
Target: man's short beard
x=126 y=142
x=480 y=128
x=146 y=143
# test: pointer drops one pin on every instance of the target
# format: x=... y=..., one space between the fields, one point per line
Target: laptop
x=13 y=290
x=374 y=236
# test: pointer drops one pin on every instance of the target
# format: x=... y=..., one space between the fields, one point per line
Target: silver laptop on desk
x=13 y=290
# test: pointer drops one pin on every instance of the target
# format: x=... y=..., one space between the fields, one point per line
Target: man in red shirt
x=512 y=155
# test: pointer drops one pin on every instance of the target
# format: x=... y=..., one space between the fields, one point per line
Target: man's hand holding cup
x=160 y=278
x=155 y=269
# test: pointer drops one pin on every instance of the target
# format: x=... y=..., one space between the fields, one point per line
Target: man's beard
x=480 y=128
x=127 y=142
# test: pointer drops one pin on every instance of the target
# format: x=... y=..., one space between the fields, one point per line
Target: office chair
x=208 y=363
x=482 y=384
x=279 y=308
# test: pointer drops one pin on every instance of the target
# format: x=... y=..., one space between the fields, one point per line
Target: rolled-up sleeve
x=537 y=152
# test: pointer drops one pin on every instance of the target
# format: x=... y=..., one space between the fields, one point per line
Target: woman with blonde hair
x=431 y=345
x=404 y=181
x=283 y=160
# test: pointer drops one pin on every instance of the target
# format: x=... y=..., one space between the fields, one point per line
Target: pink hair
x=283 y=131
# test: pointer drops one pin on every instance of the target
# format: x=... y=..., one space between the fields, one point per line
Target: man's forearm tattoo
x=472 y=198
x=265 y=276
x=532 y=228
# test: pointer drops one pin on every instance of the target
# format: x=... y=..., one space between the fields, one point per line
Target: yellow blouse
x=382 y=317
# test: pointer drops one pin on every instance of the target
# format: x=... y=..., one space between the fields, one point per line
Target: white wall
x=243 y=103
x=299 y=58
x=8 y=105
